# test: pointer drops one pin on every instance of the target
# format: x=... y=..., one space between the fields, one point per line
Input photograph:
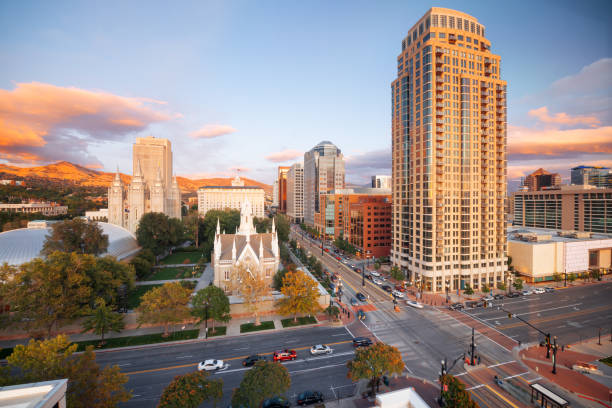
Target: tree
x=89 y=386
x=103 y=320
x=397 y=274
x=77 y=235
x=191 y=390
x=265 y=380
x=456 y=395
x=301 y=295
x=165 y=305
x=372 y=363
x=518 y=284
x=215 y=300
x=252 y=286
x=282 y=227
x=485 y=288
x=157 y=232
x=468 y=289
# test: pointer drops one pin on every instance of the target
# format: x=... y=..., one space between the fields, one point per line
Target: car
x=414 y=303
x=456 y=306
x=276 y=402
x=374 y=273
x=526 y=292
x=377 y=281
x=309 y=397
x=211 y=365
x=362 y=342
x=539 y=290
x=387 y=288
x=353 y=302
x=251 y=360
x=284 y=355
x=397 y=294
x=400 y=288
x=320 y=349
x=360 y=296
x=498 y=296
x=549 y=289
x=513 y=294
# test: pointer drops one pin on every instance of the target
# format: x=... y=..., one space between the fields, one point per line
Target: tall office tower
x=282 y=188
x=381 y=182
x=541 y=179
x=591 y=175
x=323 y=172
x=449 y=155
x=295 y=193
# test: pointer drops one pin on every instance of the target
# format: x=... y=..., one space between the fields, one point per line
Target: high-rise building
x=449 y=155
x=152 y=188
x=282 y=188
x=323 y=172
x=295 y=193
x=541 y=180
x=591 y=175
x=381 y=182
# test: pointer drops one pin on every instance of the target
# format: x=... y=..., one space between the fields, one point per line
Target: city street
x=151 y=369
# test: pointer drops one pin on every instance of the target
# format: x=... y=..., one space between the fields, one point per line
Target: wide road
x=151 y=369
x=571 y=314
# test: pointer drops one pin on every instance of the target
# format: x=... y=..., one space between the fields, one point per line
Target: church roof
x=227 y=243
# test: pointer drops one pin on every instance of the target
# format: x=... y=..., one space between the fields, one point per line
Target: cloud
x=212 y=131
x=43 y=123
x=563 y=118
x=283 y=156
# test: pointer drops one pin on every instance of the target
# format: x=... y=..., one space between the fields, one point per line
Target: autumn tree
x=211 y=303
x=157 y=232
x=253 y=287
x=455 y=394
x=76 y=235
x=89 y=386
x=191 y=390
x=165 y=305
x=266 y=379
x=301 y=295
x=103 y=320
x=374 y=362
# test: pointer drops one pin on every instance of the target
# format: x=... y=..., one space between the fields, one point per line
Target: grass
x=607 y=360
x=300 y=321
x=135 y=295
x=219 y=331
x=250 y=327
x=172 y=273
x=181 y=258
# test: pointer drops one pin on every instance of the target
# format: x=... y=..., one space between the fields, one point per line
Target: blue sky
x=233 y=82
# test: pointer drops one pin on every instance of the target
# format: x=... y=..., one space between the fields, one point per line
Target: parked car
x=539 y=290
x=498 y=296
x=251 y=360
x=353 y=302
x=284 y=355
x=309 y=397
x=387 y=288
x=513 y=294
x=276 y=402
x=414 y=304
x=374 y=273
x=360 y=296
x=211 y=365
x=362 y=342
x=397 y=294
x=549 y=289
x=456 y=306
x=320 y=349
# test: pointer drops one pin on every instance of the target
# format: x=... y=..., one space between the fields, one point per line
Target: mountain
x=73 y=173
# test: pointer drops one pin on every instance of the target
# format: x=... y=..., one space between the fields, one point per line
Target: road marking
x=500 y=364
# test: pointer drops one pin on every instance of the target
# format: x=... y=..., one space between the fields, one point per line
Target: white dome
x=22 y=245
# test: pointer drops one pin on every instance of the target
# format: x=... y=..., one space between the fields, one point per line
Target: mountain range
x=73 y=173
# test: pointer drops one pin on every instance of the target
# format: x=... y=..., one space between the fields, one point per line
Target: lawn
x=134 y=296
x=300 y=321
x=172 y=273
x=250 y=327
x=181 y=258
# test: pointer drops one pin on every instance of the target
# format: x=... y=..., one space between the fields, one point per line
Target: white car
x=374 y=273
x=538 y=290
x=211 y=365
x=320 y=349
x=377 y=281
x=397 y=294
x=414 y=304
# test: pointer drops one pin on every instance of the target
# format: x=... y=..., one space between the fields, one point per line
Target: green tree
x=518 y=284
x=191 y=390
x=266 y=379
x=372 y=363
x=103 y=320
x=485 y=288
x=77 y=235
x=215 y=300
x=157 y=232
x=301 y=295
x=456 y=396
x=165 y=305
x=397 y=274
x=89 y=386
x=468 y=289
x=283 y=227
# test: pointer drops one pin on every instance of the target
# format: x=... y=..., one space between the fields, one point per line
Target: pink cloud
x=563 y=118
x=283 y=156
x=212 y=131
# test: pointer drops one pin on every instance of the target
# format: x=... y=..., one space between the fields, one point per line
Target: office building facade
x=295 y=193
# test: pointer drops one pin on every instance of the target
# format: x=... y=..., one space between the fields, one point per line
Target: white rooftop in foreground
x=24 y=244
x=47 y=394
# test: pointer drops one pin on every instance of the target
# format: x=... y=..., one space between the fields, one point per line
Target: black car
x=387 y=288
x=360 y=296
x=456 y=306
x=276 y=402
x=362 y=342
x=309 y=397
x=251 y=360
x=498 y=296
x=513 y=294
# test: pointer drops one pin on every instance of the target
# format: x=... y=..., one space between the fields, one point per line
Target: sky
x=246 y=86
